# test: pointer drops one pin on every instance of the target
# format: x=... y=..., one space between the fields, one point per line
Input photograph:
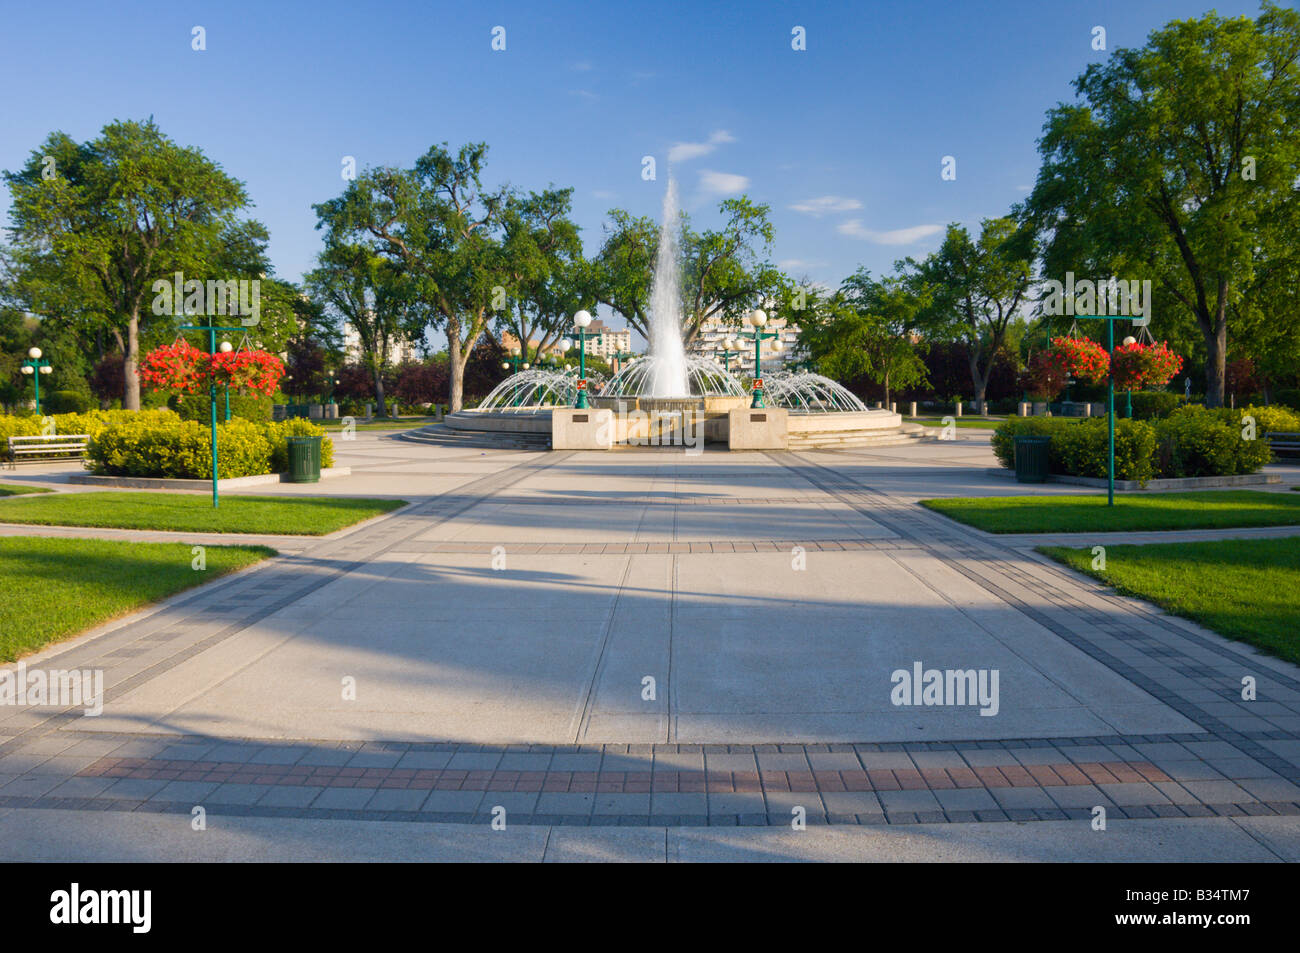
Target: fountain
x=666 y=362
x=670 y=397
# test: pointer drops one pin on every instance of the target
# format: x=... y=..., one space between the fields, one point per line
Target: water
x=667 y=372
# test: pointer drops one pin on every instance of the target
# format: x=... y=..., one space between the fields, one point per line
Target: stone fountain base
x=667 y=422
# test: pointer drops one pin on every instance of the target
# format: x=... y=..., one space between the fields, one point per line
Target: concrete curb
x=1180 y=483
x=152 y=483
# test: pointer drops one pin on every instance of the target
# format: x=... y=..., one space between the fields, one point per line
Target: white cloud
x=825 y=205
x=1022 y=188
x=684 y=151
x=604 y=194
x=899 y=236
x=722 y=183
x=790 y=264
x=586 y=94
x=580 y=67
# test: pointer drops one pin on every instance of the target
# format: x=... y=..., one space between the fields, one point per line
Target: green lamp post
x=758 y=318
x=212 y=394
x=730 y=348
x=34 y=367
x=581 y=320
x=1128 y=394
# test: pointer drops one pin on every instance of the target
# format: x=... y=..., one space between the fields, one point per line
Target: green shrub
x=1083 y=449
x=163 y=445
x=1151 y=404
x=1195 y=441
x=277 y=435
x=66 y=402
x=1288 y=397
x=252 y=407
x=1005 y=432
x=1272 y=419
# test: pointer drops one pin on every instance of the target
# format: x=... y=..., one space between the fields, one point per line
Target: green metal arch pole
x=1110 y=417
x=212 y=403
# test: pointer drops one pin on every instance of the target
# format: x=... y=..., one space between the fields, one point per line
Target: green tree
x=1178 y=164
x=867 y=327
x=439 y=225
x=549 y=280
x=95 y=224
x=978 y=290
x=725 y=272
x=375 y=296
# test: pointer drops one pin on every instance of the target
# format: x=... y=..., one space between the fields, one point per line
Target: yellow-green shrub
x=279 y=432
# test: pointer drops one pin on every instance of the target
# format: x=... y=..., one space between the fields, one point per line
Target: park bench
x=46 y=444
x=1288 y=443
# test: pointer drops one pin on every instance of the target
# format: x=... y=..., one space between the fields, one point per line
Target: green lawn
x=1247 y=590
x=1210 y=509
x=193 y=512
x=403 y=423
x=979 y=423
x=17 y=489
x=55 y=587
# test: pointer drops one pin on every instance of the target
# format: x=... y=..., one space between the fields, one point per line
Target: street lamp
x=580 y=321
x=730 y=348
x=225 y=349
x=1128 y=394
x=34 y=367
x=758 y=318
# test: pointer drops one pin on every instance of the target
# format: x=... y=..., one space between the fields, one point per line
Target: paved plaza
x=653 y=655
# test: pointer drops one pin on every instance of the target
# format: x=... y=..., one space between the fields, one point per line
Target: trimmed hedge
x=67 y=402
x=197 y=407
x=1151 y=404
x=161 y=444
x=1190 y=442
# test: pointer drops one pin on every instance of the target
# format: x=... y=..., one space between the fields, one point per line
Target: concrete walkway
x=669 y=643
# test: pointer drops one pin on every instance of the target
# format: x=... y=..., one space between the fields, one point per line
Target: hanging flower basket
x=1080 y=358
x=254 y=370
x=183 y=367
x=179 y=366
x=1137 y=366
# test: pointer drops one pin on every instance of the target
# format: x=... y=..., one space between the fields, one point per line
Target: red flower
x=181 y=366
x=1139 y=365
x=1081 y=358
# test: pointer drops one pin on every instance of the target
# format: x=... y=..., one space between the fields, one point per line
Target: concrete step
x=908 y=433
x=443 y=436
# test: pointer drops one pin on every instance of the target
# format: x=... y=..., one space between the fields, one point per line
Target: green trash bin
x=1031 y=459
x=304 y=459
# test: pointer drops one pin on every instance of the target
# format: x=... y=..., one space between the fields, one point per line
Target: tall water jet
x=667 y=377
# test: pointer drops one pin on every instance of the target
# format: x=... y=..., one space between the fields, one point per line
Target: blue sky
x=843 y=140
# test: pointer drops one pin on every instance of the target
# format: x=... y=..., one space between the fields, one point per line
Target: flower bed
x=161 y=444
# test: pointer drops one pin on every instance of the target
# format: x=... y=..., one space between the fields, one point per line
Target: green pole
x=212 y=402
x=758 y=369
x=1128 y=404
x=581 y=402
x=1110 y=417
x=227 y=403
x=36 y=382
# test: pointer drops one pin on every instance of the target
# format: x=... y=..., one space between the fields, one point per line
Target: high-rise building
x=713 y=332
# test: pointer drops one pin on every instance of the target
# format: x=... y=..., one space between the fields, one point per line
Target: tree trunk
x=886 y=389
x=455 y=367
x=378 y=367
x=1216 y=352
x=130 y=364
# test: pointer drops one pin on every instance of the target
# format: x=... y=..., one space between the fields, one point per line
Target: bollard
x=958 y=408
x=913 y=414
